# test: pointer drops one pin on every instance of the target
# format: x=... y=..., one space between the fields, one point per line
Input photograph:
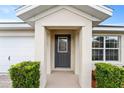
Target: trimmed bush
x=109 y=76
x=25 y=74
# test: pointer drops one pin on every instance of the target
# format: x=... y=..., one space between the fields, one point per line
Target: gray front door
x=62 y=51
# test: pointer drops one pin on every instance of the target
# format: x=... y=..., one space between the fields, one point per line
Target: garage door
x=14 y=50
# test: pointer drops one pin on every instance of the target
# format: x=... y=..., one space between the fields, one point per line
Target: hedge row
x=25 y=75
x=109 y=76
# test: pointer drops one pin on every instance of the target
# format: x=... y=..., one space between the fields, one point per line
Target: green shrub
x=109 y=76
x=25 y=74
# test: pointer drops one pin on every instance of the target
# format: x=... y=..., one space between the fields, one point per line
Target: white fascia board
x=24 y=9
x=114 y=29
x=27 y=8
x=12 y=26
x=103 y=9
x=15 y=28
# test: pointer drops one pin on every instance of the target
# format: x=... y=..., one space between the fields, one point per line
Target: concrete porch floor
x=62 y=79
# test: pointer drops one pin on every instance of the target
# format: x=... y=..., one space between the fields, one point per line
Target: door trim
x=72 y=62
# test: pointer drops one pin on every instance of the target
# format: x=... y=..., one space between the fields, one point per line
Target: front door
x=62 y=51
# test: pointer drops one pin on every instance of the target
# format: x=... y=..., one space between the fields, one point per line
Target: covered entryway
x=61 y=63
x=64 y=56
x=79 y=57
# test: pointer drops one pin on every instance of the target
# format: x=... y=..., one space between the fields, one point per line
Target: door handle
x=9 y=58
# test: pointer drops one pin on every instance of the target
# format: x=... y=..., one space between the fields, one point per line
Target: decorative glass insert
x=63 y=44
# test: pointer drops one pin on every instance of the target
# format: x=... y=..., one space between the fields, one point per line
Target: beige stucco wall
x=58 y=19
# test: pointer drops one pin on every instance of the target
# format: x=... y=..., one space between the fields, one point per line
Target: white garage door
x=14 y=50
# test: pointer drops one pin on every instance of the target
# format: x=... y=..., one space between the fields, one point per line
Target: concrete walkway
x=62 y=79
x=5 y=81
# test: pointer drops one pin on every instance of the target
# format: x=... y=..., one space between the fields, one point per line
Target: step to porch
x=62 y=79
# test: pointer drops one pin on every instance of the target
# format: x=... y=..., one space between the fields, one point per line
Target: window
x=105 y=48
x=63 y=44
x=97 y=44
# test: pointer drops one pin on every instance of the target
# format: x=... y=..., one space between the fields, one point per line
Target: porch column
x=86 y=48
x=40 y=51
x=48 y=52
x=77 y=60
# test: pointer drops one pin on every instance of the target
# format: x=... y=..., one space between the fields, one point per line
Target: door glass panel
x=62 y=44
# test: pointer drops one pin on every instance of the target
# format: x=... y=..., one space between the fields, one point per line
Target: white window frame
x=66 y=45
x=104 y=49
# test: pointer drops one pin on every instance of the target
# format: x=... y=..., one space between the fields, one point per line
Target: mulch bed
x=93 y=79
x=93 y=83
